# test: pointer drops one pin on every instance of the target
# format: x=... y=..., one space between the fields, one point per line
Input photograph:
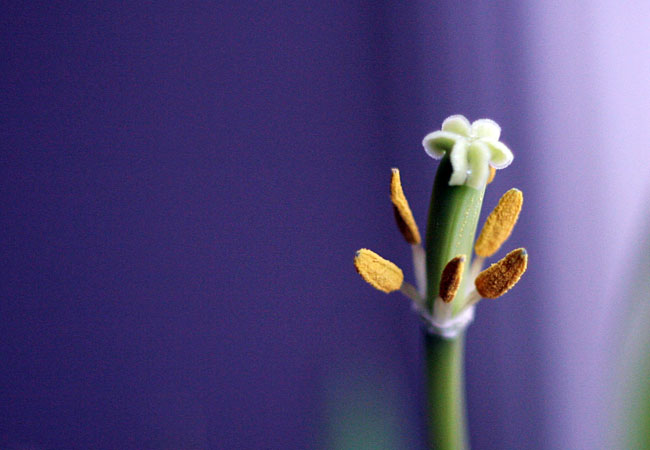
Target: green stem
x=446 y=398
x=453 y=216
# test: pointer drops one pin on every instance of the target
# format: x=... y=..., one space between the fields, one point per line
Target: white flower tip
x=478 y=158
x=486 y=128
x=459 y=161
x=436 y=144
x=472 y=148
x=500 y=155
x=457 y=124
x=501 y=166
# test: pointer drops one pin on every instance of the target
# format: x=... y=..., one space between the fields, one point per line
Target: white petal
x=486 y=128
x=456 y=124
x=458 y=158
x=500 y=154
x=439 y=142
x=478 y=157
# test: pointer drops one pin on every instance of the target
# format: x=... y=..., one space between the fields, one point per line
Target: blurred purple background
x=184 y=187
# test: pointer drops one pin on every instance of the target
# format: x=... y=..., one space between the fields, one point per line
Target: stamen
x=451 y=277
x=493 y=172
x=496 y=280
x=472 y=298
x=403 y=215
x=499 y=224
x=377 y=271
x=475 y=269
x=442 y=311
x=420 y=268
x=409 y=291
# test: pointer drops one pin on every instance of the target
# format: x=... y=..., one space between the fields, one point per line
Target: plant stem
x=446 y=398
x=453 y=217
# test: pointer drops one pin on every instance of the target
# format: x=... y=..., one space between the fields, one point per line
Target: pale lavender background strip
x=591 y=68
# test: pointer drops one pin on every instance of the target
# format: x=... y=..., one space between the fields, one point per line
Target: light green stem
x=446 y=399
x=453 y=217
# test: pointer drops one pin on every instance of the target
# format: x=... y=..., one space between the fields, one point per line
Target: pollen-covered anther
x=500 y=277
x=499 y=224
x=377 y=271
x=403 y=215
x=451 y=278
x=493 y=173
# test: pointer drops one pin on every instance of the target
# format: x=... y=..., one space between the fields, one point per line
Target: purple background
x=184 y=187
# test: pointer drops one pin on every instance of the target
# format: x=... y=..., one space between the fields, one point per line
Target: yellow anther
x=499 y=224
x=451 y=277
x=493 y=172
x=377 y=271
x=496 y=280
x=403 y=214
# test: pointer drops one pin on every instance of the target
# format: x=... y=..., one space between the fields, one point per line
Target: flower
x=448 y=286
x=472 y=148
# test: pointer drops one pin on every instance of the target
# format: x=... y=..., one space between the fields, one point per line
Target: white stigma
x=472 y=148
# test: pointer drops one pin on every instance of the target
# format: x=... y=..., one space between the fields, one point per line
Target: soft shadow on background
x=184 y=187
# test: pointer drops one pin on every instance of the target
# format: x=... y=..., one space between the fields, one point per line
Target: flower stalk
x=446 y=392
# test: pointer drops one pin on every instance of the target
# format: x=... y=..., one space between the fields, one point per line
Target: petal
x=486 y=128
x=456 y=124
x=500 y=154
x=439 y=142
x=458 y=158
x=478 y=157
